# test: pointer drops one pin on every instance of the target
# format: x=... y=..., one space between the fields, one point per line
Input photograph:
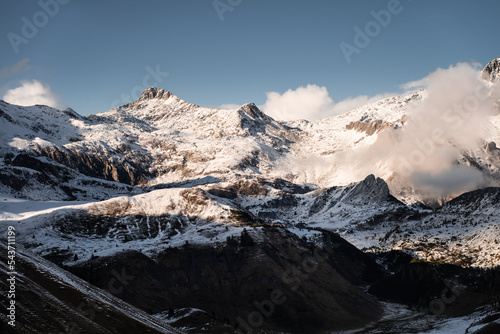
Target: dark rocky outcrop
x=239 y=188
x=28 y=176
x=492 y=148
x=282 y=283
x=99 y=165
x=371 y=188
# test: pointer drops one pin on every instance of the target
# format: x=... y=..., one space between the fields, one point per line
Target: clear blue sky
x=93 y=52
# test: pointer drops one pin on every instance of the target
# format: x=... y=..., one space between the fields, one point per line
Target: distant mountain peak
x=491 y=71
x=155 y=93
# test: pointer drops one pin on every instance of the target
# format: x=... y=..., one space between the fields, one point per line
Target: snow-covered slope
x=157 y=139
x=464 y=231
x=161 y=173
x=186 y=141
x=161 y=162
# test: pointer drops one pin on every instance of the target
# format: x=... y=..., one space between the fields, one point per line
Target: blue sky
x=97 y=54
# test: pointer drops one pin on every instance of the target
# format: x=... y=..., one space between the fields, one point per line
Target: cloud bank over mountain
x=31 y=93
x=312 y=102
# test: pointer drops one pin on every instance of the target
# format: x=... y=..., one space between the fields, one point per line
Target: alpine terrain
x=161 y=216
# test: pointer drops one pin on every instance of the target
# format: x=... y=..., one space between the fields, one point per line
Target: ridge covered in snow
x=161 y=175
x=154 y=156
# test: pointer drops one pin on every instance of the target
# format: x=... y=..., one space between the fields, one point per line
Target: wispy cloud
x=20 y=66
x=31 y=93
x=426 y=81
x=422 y=83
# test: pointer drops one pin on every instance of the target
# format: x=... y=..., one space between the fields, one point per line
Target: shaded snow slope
x=51 y=300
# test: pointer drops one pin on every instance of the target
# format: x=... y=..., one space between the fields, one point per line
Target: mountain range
x=211 y=210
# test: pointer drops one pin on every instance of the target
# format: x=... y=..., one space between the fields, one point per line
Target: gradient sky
x=92 y=53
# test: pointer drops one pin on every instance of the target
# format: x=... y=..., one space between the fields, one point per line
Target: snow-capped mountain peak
x=155 y=93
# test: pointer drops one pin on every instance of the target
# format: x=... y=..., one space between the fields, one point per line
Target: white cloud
x=229 y=106
x=312 y=102
x=452 y=118
x=31 y=93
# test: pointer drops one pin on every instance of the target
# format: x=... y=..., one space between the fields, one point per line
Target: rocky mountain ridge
x=161 y=139
x=203 y=203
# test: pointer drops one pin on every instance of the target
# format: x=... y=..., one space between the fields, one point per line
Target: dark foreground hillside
x=51 y=300
x=277 y=283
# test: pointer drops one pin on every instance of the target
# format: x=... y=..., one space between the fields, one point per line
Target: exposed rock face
x=155 y=93
x=369 y=128
x=491 y=70
x=371 y=188
x=95 y=164
x=254 y=112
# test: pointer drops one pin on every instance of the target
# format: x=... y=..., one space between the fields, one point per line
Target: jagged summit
x=160 y=108
x=152 y=95
x=491 y=71
x=254 y=112
x=155 y=93
x=371 y=187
